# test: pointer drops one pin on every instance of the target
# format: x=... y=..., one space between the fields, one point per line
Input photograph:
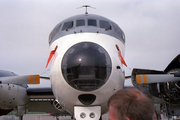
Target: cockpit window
x=118 y=30
x=67 y=25
x=54 y=32
x=80 y=23
x=105 y=25
x=92 y=22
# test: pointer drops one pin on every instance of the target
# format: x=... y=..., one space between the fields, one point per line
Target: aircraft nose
x=86 y=66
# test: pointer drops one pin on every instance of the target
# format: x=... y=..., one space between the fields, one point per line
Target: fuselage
x=86 y=69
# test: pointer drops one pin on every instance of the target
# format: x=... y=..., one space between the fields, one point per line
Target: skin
x=112 y=115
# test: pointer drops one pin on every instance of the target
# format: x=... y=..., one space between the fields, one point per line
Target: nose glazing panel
x=86 y=66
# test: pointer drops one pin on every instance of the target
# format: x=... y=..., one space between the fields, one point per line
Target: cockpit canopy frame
x=86 y=23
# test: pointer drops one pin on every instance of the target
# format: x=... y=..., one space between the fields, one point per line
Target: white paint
x=68 y=95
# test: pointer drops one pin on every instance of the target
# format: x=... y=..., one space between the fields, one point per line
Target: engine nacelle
x=168 y=91
x=13 y=95
x=153 y=88
x=171 y=90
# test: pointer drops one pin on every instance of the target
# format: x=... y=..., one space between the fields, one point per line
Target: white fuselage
x=67 y=95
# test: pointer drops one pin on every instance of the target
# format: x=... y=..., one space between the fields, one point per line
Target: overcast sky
x=151 y=27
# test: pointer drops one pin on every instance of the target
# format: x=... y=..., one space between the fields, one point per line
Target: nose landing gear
x=87 y=113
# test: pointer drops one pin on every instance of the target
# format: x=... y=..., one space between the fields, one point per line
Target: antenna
x=86 y=6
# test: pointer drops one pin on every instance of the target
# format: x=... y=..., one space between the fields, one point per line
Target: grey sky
x=151 y=27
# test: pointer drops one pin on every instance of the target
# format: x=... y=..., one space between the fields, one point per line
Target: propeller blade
x=26 y=79
x=127 y=77
x=155 y=78
x=47 y=78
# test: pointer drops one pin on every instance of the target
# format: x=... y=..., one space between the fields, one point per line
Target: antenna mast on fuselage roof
x=86 y=6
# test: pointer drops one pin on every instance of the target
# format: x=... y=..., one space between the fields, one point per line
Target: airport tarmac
x=42 y=117
x=49 y=117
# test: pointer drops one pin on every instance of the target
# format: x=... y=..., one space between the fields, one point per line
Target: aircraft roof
x=91 y=24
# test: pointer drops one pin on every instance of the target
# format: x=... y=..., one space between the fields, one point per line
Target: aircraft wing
x=16 y=95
